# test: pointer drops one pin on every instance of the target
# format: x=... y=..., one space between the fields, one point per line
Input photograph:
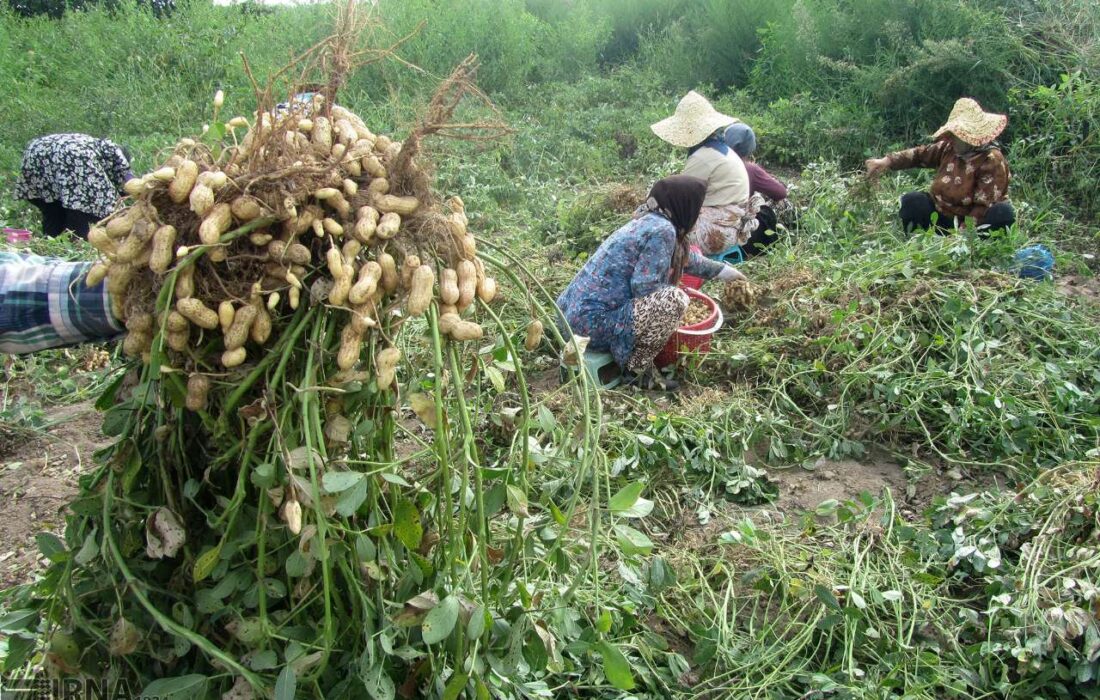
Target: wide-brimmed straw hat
x=695 y=119
x=969 y=123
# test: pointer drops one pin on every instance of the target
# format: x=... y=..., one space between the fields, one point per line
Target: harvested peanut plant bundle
x=280 y=292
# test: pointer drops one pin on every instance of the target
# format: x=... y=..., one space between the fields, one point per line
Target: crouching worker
x=74 y=179
x=729 y=211
x=44 y=303
x=741 y=138
x=971 y=174
x=626 y=298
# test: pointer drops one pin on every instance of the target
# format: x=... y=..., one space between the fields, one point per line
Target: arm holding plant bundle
x=703 y=267
x=927 y=156
x=707 y=269
x=730 y=273
x=649 y=274
x=44 y=303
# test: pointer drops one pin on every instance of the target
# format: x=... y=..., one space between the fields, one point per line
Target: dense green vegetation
x=925 y=348
x=818 y=80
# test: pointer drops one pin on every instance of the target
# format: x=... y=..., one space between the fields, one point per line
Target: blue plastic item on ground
x=731 y=256
x=1035 y=262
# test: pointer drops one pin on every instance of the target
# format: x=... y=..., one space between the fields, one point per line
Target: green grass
x=867 y=340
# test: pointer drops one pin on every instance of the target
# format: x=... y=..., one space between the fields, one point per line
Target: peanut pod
x=420 y=290
x=534 y=335
x=392 y=203
x=448 y=286
x=237 y=333
x=245 y=208
x=261 y=324
x=215 y=223
x=233 y=358
x=201 y=198
x=185 y=282
x=198 y=387
x=387 y=367
x=351 y=344
x=96 y=274
x=226 y=312
x=466 y=330
x=187 y=172
x=164 y=241
x=388 y=225
x=467 y=284
x=369 y=276
x=198 y=313
x=390 y=278
x=487 y=290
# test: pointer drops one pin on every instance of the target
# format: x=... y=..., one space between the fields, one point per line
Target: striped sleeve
x=45 y=304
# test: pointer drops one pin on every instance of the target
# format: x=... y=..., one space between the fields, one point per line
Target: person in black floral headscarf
x=74 y=179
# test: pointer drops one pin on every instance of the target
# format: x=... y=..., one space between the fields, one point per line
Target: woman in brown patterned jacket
x=972 y=175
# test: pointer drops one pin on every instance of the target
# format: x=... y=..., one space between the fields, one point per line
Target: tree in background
x=56 y=8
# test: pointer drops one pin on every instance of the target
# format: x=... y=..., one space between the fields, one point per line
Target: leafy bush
x=907 y=61
x=1029 y=561
x=629 y=21
x=584 y=221
x=714 y=42
x=1056 y=148
x=799 y=129
x=689 y=448
x=515 y=46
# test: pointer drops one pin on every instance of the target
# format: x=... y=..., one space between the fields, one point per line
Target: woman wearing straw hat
x=972 y=175
x=626 y=299
x=729 y=214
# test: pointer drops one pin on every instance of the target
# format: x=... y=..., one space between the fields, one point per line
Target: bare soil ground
x=1078 y=286
x=802 y=490
x=38 y=477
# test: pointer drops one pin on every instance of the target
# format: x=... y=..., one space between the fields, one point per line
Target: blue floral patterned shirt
x=633 y=262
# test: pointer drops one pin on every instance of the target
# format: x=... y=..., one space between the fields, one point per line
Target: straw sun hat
x=969 y=123
x=695 y=119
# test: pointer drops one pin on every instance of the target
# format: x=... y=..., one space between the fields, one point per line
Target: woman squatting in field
x=74 y=179
x=972 y=174
x=626 y=299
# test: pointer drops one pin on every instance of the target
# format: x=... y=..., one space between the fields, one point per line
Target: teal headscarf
x=741 y=139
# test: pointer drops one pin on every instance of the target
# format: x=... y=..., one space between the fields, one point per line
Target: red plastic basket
x=691 y=281
x=695 y=337
x=16 y=236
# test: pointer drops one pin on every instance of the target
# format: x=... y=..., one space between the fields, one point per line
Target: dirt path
x=38 y=478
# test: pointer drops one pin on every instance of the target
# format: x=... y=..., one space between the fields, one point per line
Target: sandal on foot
x=650 y=380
